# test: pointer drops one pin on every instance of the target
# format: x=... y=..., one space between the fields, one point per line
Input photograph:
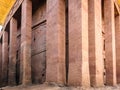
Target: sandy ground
x=57 y=87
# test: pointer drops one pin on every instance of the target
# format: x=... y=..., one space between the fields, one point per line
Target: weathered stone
x=26 y=42
x=5 y=58
x=95 y=47
x=117 y=42
x=0 y=62
x=55 y=43
x=72 y=32
x=12 y=52
x=110 y=52
x=78 y=43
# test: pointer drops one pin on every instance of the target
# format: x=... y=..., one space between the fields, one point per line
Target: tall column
x=55 y=41
x=26 y=42
x=110 y=52
x=78 y=43
x=5 y=58
x=12 y=52
x=0 y=62
x=117 y=41
x=95 y=43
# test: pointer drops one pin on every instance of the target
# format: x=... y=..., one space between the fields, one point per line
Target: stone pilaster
x=0 y=62
x=110 y=52
x=78 y=43
x=26 y=42
x=55 y=41
x=12 y=52
x=117 y=42
x=5 y=57
x=95 y=43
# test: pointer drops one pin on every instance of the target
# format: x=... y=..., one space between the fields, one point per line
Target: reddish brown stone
x=65 y=43
x=110 y=52
x=39 y=44
x=26 y=42
x=12 y=52
x=55 y=35
x=117 y=39
x=0 y=62
x=78 y=43
x=95 y=47
x=5 y=58
x=39 y=54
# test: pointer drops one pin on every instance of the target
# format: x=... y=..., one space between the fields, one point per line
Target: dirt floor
x=57 y=87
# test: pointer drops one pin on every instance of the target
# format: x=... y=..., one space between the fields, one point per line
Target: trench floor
x=57 y=87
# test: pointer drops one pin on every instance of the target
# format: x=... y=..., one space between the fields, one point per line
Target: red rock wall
x=39 y=45
x=73 y=42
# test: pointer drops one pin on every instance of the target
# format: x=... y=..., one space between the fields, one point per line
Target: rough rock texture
x=95 y=48
x=55 y=41
x=26 y=34
x=12 y=52
x=78 y=73
x=110 y=53
x=61 y=41
x=58 y=87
